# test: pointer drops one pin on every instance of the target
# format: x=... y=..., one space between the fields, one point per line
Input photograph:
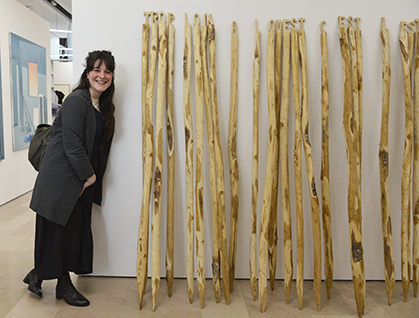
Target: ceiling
x=48 y=12
x=59 y=20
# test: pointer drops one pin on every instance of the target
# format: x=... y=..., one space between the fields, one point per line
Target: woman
x=70 y=180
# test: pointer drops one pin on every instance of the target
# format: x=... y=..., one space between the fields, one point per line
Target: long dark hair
x=106 y=106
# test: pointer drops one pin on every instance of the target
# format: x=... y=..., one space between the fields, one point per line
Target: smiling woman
x=70 y=180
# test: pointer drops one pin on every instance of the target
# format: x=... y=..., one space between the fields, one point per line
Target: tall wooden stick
x=350 y=130
x=199 y=178
x=232 y=154
x=144 y=72
x=220 y=166
x=255 y=161
x=170 y=158
x=213 y=172
x=298 y=177
x=187 y=60
x=407 y=160
x=283 y=144
x=325 y=180
x=314 y=199
x=158 y=170
x=355 y=93
x=384 y=166
x=142 y=252
x=416 y=170
x=267 y=192
x=273 y=223
x=358 y=40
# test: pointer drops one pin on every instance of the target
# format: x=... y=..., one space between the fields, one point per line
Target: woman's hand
x=88 y=183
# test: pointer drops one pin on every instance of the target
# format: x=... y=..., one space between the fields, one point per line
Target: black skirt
x=61 y=249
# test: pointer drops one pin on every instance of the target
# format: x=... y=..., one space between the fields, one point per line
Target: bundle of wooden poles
x=161 y=55
x=409 y=51
x=351 y=49
x=286 y=53
x=286 y=62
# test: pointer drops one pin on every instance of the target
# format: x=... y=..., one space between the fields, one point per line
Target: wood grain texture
x=220 y=166
x=267 y=192
x=158 y=169
x=144 y=76
x=199 y=159
x=255 y=163
x=213 y=172
x=170 y=157
x=407 y=162
x=415 y=278
x=273 y=223
x=350 y=130
x=142 y=248
x=232 y=154
x=298 y=177
x=314 y=199
x=385 y=165
x=187 y=62
x=325 y=176
x=283 y=146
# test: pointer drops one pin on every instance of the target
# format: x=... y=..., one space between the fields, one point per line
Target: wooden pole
x=255 y=162
x=273 y=223
x=144 y=72
x=267 y=192
x=283 y=144
x=416 y=170
x=232 y=154
x=298 y=177
x=220 y=166
x=355 y=92
x=384 y=166
x=158 y=170
x=213 y=172
x=187 y=61
x=170 y=158
x=314 y=199
x=407 y=160
x=199 y=178
x=142 y=252
x=358 y=41
x=350 y=130
x=325 y=180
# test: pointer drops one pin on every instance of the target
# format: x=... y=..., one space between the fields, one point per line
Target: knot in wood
x=357 y=250
x=185 y=71
x=211 y=33
x=187 y=135
x=157 y=177
x=313 y=188
x=215 y=267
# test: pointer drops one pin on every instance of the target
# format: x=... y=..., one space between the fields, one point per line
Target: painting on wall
x=1 y=121
x=29 y=89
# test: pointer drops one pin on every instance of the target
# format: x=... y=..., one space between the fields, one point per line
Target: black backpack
x=38 y=145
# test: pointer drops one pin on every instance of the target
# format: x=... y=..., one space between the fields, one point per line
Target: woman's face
x=100 y=78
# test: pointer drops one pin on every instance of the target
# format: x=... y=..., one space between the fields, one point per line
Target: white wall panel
x=107 y=24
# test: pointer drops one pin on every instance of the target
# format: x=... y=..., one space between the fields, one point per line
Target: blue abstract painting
x=1 y=121
x=29 y=89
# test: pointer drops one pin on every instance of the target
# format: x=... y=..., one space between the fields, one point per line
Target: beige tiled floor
x=117 y=297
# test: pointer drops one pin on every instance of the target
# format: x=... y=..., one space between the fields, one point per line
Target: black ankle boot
x=65 y=289
x=34 y=283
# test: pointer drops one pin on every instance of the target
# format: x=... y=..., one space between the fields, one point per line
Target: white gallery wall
x=106 y=24
x=17 y=176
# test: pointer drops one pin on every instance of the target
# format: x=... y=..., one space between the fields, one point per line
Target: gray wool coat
x=66 y=164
